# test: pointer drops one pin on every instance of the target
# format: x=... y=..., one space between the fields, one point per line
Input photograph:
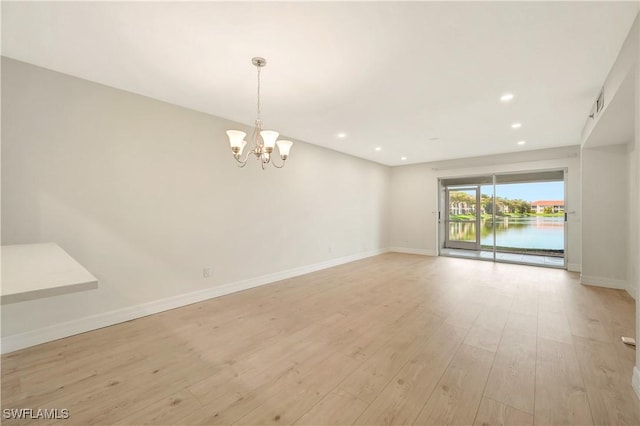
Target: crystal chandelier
x=262 y=141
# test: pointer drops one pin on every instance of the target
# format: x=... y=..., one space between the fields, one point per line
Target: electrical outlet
x=206 y=272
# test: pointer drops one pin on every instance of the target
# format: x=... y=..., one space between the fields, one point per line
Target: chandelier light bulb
x=506 y=97
x=269 y=138
x=284 y=147
x=235 y=138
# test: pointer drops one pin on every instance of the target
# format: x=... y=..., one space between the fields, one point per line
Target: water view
x=531 y=232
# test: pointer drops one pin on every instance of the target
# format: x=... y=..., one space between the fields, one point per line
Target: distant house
x=462 y=207
x=556 y=206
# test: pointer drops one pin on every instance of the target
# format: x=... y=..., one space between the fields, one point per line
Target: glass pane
x=462 y=231
x=530 y=218
x=462 y=215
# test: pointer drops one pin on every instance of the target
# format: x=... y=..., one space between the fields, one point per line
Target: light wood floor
x=394 y=339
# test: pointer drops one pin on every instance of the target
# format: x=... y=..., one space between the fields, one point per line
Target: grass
x=520 y=250
x=514 y=215
x=462 y=217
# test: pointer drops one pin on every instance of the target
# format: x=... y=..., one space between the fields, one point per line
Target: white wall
x=635 y=257
x=633 y=250
x=414 y=195
x=413 y=209
x=605 y=207
x=633 y=234
x=145 y=194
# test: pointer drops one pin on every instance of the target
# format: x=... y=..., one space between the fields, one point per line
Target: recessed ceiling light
x=506 y=97
x=378 y=148
x=435 y=138
x=341 y=135
x=521 y=142
x=516 y=125
x=403 y=158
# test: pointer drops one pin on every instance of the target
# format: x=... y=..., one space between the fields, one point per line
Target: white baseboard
x=574 y=267
x=635 y=381
x=57 y=331
x=609 y=283
x=423 y=252
x=631 y=290
x=603 y=282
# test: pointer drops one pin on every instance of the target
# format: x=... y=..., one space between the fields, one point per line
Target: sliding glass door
x=516 y=217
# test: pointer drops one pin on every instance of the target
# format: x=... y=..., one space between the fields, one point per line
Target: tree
x=461 y=197
x=521 y=206
x=487 y=203
x=547 y=210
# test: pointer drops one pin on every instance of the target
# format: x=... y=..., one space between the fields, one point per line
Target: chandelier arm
x=276 y=165
x=246 y=158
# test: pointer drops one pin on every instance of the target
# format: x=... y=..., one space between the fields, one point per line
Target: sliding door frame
x=465 y=245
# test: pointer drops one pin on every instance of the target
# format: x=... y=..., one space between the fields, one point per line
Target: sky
x=528 y=191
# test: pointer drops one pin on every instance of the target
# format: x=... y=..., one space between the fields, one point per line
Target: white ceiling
x=393 y=75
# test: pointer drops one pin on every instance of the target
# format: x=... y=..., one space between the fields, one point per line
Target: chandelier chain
x=259 y=118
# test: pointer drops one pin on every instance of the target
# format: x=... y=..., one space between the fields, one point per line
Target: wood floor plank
x=336 y=408
x=464 y=313
x=522 y=323
x=494 y=413
x=586 y=324
x=303 y=394
x=554 y=326
x=130 y=393
x=607 y=383
x=512 y=378
x=228 y=403
x=487 y=329
x=168 y=411
x=402 y=399
x=457 y=396
x=374 y=374
x=264 y=373
x=525 y=305
x=560 y=396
